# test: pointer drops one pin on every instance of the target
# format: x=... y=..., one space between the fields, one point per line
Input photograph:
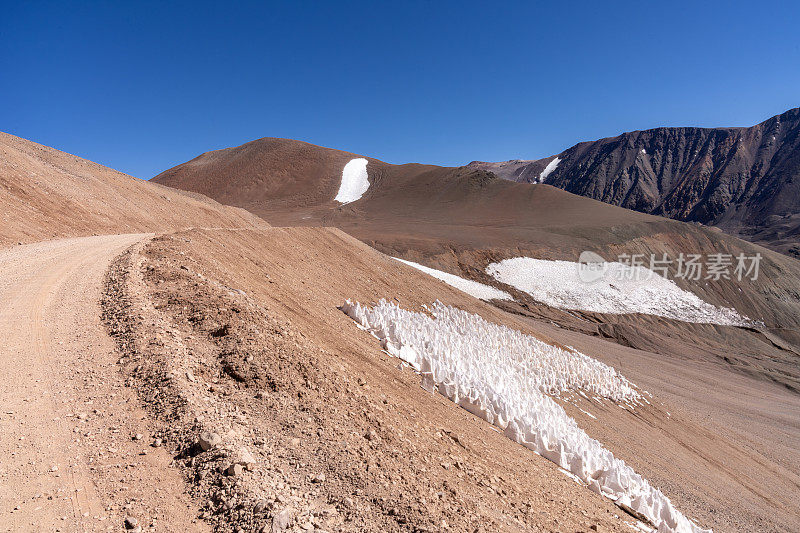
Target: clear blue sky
x=146 y=86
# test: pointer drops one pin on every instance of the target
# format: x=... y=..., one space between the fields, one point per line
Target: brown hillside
x=46 y=193
x=460 y=219
x=292 y=372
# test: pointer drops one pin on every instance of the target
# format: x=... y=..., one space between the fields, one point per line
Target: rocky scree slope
x=299 y=276
x=277 y=426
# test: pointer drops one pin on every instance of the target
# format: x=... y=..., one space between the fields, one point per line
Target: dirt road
x=75 y=454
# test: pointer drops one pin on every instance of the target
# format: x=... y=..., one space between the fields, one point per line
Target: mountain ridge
x=47 y=193
x=744 y=180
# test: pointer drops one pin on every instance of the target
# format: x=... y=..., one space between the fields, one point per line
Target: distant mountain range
x=746 y=181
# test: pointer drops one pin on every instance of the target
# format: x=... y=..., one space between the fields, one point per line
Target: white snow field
x=506 y=377
x=354 y=181
x=618 y=289
x=473 y=288
x=551 y=166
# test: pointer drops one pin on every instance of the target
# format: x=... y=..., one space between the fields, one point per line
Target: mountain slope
x=239 y=332
x=294 y=183
x=744 y=180
x=461 y=219
x=45 y=193
x=302 y=275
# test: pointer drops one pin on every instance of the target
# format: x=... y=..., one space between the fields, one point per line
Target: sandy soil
x=68 y=422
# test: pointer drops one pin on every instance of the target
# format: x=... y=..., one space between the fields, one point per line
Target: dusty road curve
x=68 y=461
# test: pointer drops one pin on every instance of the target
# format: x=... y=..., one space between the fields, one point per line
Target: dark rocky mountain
x=746 y=181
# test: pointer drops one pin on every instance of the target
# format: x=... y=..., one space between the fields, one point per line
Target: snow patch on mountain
x=551 y=166
x=473 y=288
x=355 y=181
x=618 y=289
x=506 y=378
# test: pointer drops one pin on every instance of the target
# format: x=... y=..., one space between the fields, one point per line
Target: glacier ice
x=506 y=377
